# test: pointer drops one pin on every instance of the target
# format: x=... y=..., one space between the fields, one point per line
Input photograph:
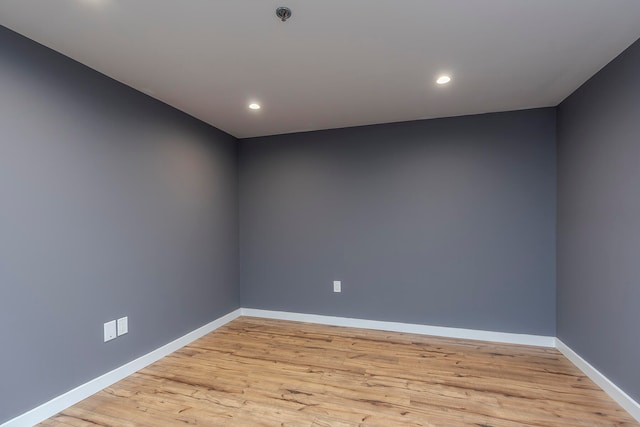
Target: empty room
x=329 y=213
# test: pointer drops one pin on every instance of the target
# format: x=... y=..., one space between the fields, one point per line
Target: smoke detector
x=283 y=13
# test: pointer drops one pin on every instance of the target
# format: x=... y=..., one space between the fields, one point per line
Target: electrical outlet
x=337 y=286
x=109 y=330
x=123 y=325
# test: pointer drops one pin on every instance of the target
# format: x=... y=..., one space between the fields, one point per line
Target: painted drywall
x=599 y=221
x=111 y=204
x=447 y=222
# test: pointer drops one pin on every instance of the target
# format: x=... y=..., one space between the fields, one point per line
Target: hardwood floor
x=257 y=372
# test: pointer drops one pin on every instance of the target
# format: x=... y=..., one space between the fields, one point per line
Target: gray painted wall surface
x=111 y=204
x=443 y=222
x=599 y=221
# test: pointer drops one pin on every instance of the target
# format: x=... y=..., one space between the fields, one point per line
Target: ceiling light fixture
x=283 y=13
x=443 y=80
x=254 y=106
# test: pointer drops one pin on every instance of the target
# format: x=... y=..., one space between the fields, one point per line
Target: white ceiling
x=335 y=63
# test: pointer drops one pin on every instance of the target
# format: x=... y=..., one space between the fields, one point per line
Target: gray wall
x=442 y=222
x=599 y=221
x=111 y=204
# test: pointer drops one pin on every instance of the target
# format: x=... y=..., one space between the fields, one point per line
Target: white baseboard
x=440 y=331
x=603 y=382
x=60 y=403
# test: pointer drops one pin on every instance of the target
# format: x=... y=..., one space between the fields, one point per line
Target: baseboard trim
x=60 y=403
x=617 y=394
x=440 y=331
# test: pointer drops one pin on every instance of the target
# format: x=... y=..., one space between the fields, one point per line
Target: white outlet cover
x=109 y=330
x=337 y=286
x=123 y=325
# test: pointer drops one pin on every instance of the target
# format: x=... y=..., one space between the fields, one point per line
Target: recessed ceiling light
x=443 y=80
x=254 y=106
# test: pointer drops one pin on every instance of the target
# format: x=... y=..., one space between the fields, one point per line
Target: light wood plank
x=259 y=372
